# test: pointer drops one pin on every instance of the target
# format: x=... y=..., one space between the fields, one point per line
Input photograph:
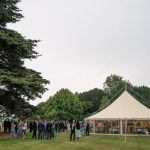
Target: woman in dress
x=13 y=131
x=78 y=133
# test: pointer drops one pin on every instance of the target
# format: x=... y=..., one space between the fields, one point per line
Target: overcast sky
x=84 y=41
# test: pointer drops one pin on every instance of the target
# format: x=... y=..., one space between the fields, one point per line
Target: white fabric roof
x=124 y=107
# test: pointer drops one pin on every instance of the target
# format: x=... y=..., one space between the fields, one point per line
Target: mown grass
x=93 y=142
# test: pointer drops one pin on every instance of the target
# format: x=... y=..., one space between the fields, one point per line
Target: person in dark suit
x=30 y=126
x=9 y=126
x=49 y=130
x=87 y=128
x=72 y=130
x=34 y=129
x=5 y=126
x=40 y=130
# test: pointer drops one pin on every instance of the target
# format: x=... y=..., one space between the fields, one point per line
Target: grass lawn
x=93 y=142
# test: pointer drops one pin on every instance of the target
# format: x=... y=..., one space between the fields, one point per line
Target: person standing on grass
x=77 y=131
x=9 y=126
x=40 y=130
x=16 y=126
x=56 y=126
x=53 y=129
x=62 y=126
x=87 y=128
x=82 y=128
x=20 y=129
x=34 y=129
x=44 y=130
x=72 y=130
x=31 y=125
x=49 y=130
x=13 y=130
x=5 y=126
x=24 y=128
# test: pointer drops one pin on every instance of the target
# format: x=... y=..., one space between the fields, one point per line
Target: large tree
x=63 y=105
x=114 y=84
x=18 y=84
x=91 y=100
x=142 y=93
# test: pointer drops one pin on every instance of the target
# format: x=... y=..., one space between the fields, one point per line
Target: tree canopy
x=64 y=105
x=91 y=100
x=60 y=105
x=115 y=83
x=9 y=12
x=18 y=84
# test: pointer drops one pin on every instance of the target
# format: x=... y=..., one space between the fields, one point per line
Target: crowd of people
x=45 y=129
x=14 y=128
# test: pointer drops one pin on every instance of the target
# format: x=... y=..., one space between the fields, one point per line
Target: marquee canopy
x=124 y=107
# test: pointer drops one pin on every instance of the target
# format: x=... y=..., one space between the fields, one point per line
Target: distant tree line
x=66 y=105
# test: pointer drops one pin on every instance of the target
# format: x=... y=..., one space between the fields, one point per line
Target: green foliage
x=63 y=105
x=143 y=94
x=115 y=83
x=104 y=100
x=15 y=49
x=18 y=84
x=91 y=100
x=94 y=100
x=9 y=12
